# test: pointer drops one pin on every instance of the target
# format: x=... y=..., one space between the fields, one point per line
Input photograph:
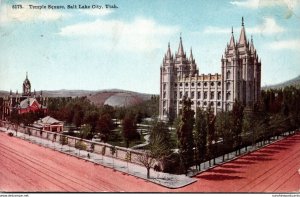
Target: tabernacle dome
x=123 y=99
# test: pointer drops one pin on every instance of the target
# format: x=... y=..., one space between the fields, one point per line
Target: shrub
x=63 y=140
x=103 y=150
x=80 y=145
x=172 y=164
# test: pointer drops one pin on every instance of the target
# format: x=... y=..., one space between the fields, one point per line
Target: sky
x=104 y=48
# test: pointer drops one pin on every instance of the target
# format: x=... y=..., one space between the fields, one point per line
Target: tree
x=85 y=131
x=104 y=126
x=120 y=113
x=224 y=131
x=210 y=134
x=147 y=160
x=200 y=136
x=107 y=109
x=158 y=148
x=129 y=128
x=185 y=134
x=237 y=114
x=15 y=118
x=160 y=140
x=78 y=118
x=91 y=117
x=63 y=140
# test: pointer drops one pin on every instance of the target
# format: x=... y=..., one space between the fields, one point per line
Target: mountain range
x=118 y=97
x=113 y=97
x=292 y=82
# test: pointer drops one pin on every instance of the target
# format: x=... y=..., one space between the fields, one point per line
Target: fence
x=104 y=149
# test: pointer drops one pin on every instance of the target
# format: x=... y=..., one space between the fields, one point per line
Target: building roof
x=25 y=104
x=49 y=120
x=123 y=99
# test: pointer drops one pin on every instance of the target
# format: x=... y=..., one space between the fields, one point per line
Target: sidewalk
x=165 y=179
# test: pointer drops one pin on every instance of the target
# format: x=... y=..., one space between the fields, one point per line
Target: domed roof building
x=123 y=99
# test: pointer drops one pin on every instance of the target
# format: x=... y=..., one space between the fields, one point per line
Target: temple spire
x=243 y=39
x=180 y=48
x=26 y=75
x=191 y=55
x=231 y=44
x=168 y=55
x=242 y=21
x=252 y=49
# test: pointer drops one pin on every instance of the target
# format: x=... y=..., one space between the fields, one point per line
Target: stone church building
x=240 y=79
x=26 y=102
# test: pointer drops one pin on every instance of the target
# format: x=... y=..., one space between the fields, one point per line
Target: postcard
x=149 y=96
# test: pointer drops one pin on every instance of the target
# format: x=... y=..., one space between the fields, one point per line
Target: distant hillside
x=113 y=97
x=292 y=82
x=3 y=93
x=67 y=93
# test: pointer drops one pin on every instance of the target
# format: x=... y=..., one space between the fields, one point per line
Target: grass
x=116 y=139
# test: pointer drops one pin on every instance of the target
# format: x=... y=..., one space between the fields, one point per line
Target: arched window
x=219 y=95
x=227 y=106
x=228 y=85
x=205 y=95
x=164 y=112
x=228 y=96
x=212 y=95
x=228 y=74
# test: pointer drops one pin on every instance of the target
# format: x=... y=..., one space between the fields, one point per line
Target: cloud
x=254 y=4
x=7 y=14
x=285 y=45
x=139 y=34
x=269 y=26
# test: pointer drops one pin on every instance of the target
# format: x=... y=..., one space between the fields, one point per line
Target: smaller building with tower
x=26 y=102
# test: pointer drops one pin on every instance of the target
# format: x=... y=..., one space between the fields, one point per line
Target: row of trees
x=208 y=136
x=99 y=120
x=78 y=110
